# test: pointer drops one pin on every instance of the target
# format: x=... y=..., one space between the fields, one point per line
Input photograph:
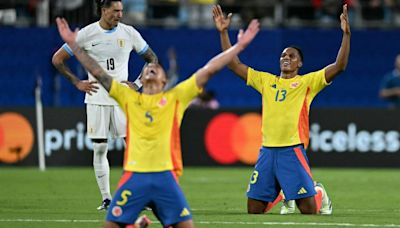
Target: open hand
x=221 y=21
x=344 y=20
x=65 y=32
x=244 y=38
x=87 y=86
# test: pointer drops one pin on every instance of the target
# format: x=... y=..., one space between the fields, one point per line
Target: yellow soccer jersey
x=153 y=122
x=286 y=104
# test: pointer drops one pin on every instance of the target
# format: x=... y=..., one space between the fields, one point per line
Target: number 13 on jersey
x=280 y=95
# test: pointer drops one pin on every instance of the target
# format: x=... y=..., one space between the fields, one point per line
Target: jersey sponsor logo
x=121 y=43
x=162 y=102
x=302 y=191
x=149 y=117
x=185 y=212
x=124 y=197
x=117 y=211
x=95 y=44
x=294 y=85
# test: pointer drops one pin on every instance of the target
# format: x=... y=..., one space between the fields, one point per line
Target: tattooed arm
x=88 y=62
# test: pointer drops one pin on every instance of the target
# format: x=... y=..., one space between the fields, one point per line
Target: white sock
x=102 y=169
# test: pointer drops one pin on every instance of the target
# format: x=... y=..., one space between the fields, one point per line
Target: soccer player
x=153 y=144
x=109 y=42
x=282 y=163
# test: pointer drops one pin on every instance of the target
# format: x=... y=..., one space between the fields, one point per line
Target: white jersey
x=111 y=49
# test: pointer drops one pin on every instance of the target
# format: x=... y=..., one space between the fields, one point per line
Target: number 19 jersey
x=286 y=104
x=111 y=49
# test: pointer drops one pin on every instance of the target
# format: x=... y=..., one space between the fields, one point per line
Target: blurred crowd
x=197 y=13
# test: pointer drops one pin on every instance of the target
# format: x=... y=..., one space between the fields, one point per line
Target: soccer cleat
x=326 y=207
x=288 y=207
x=142 y=222
x=104 y=205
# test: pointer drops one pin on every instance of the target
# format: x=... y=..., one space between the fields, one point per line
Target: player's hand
x=65 y=32
x=344 y=20
x=86 y=86
x=245 y=37
x=221 y=21
x=131 y=85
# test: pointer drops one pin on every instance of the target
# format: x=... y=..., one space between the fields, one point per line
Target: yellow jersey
x=153 y=126
x=285 y=105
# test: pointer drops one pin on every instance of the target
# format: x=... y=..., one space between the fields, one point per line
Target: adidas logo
x=185 y=212
x=302 y=191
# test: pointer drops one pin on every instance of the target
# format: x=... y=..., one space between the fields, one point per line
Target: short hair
x=299 y=51
x=104 y=4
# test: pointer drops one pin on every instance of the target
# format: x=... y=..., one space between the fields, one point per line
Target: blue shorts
x=159 y=190
x=283 y=168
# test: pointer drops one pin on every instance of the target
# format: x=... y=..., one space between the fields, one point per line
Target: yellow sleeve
x=122 y=94
x=257 y=79
x=187 y=90
x=317 y=81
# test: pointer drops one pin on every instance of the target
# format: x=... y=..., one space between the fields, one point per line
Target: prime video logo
x=352 y=139
x=76 y=138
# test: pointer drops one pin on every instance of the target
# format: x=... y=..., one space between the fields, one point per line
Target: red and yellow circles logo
x=16 y=137
x=230 y=138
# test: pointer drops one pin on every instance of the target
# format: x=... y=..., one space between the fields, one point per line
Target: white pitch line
x=216 y=222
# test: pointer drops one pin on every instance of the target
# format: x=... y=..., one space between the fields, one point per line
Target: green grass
x=67 y=197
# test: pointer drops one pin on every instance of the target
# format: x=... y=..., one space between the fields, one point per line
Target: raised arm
x=222 y=24
x=90 y=64
x=332 y=70
x=221 y=60
x=59 y=59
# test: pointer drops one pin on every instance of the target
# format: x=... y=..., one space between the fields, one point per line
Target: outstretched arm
x=219 y=61
x=222 y=23
x=90 y=64
x=343 y=55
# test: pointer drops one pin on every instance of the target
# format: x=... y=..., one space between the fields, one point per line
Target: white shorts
x=105 y=120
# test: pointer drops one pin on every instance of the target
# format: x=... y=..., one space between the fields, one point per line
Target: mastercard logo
x=230 y=138
x=16 y=137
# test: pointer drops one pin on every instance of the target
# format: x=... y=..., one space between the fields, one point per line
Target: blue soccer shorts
x=283 y=168
x=159 y=190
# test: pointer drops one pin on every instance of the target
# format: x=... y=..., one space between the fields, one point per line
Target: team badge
x=117 y=211
x=162 y=102
x=121 y=43
x=294 y=85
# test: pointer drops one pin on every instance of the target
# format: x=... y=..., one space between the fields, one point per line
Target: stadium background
x=29 y=41
x=352 y=131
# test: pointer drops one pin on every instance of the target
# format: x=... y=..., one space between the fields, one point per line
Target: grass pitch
x=68 y=197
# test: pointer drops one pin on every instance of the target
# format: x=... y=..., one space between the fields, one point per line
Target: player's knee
x=307 y=209
x=256 y=206
x=251 y=209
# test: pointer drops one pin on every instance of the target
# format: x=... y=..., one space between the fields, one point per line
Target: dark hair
x=104 y=4
x=299 y=51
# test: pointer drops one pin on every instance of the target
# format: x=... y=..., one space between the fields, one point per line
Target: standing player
x=109 y=42
x=283 y=163
x=153 y=145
